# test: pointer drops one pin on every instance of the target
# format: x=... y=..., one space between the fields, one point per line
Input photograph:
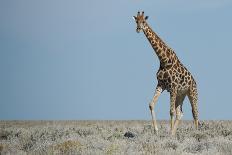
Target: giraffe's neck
x=165 y=54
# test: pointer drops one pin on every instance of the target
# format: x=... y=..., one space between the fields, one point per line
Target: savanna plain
x=114 y=137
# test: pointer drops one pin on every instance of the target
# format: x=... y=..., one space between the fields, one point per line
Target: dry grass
x=107 y=137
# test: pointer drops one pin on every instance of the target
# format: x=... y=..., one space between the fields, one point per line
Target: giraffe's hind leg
x=179 y=113
x=193 y=98
x=173 y=96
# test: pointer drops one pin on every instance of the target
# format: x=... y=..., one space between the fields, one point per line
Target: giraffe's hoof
x=156 y=131
x=173 y=133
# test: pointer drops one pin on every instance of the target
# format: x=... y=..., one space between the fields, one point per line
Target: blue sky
x=84 y=60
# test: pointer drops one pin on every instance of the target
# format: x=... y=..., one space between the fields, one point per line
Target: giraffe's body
x=172 y=76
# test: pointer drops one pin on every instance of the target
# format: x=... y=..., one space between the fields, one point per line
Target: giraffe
x=172 y=76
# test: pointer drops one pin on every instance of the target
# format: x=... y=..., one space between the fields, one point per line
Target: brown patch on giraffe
x=182 y=69
x=169 y=80
x=175 y=66
x=173 y=56
x=183 y=83
x=189 y=82
x=165 y=75
x=168 y=54
x=173 y=77
x=155 y=44
x=159 y=51
x=160 y=45
x=163 y=54
x=182 y=80
x=165 y=48
x=176 y=80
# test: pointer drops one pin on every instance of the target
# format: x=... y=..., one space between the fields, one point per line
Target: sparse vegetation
x=113 y=137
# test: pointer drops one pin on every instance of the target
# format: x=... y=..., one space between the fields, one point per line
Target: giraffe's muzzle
x=138 y=30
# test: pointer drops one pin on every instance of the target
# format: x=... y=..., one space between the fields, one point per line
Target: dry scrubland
x=113 y=137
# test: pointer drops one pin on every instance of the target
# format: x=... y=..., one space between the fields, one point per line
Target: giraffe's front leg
x=179 y=115
x=152 y=105
x=172 y=108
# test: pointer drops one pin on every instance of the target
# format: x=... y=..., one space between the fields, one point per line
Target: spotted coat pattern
x=172 y=75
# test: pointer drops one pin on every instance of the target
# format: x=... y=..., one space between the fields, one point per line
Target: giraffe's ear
x=146 y=17
x=134 y=17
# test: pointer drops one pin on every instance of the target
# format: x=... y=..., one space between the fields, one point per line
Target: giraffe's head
x=140 y=21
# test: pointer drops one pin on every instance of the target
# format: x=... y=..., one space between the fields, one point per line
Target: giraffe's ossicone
x=172 y=76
